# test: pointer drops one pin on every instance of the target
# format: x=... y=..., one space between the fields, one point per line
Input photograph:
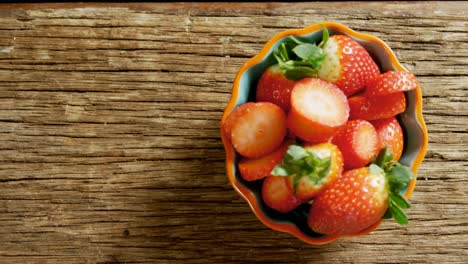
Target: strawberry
x=277 y=193
x=318 y=110
x=255 y=169
x=358 y=142
x=376 y=107
x=361 y=197
x=392 y=82
x=347 y=64
x=258 y=130
x=311 y=168
x=231 y=119
x=338 y=59
x=275 y=88
x=390 y=135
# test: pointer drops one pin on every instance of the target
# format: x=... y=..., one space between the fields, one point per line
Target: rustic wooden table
x=109 y=132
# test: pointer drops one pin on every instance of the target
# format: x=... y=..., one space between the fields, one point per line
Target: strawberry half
x=347 y=64
x=391 y=135
x=361 y=197
x=392 y=82
x=376 y=107
x=311 y=168
x=358 y=142
x=258 y=130
x=255 y=169
x=275 y=88
x=277 y=193
x=318 y=110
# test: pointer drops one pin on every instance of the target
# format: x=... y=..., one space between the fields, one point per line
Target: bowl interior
x=413 y=130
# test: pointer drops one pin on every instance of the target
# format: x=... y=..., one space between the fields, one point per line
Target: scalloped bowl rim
x=230 y=152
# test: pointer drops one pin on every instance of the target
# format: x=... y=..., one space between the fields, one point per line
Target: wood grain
x=109 y=132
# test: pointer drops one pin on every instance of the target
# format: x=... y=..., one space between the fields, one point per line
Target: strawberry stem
x=398 y=177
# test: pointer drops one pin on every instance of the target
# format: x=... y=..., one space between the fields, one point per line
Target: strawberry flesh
x=358 y=142
x=318 y=110
x=255 y=169
x=259 y=130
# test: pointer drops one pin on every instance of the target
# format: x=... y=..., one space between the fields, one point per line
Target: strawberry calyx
x=299 y=59
x=299 y=162
x=398 y=176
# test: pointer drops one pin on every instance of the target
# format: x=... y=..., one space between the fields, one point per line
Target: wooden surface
x=109 y=132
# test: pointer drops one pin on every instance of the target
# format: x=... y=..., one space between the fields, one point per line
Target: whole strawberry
x=275 y=88
x=347 y=64
x=361 y=197
x=338 y=59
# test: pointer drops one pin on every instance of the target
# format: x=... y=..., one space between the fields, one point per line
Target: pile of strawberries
x=323 y=130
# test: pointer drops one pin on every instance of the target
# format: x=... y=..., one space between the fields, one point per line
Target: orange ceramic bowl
x=243 y=90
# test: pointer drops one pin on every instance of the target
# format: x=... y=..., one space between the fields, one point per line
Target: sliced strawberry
x=231 y=119
x=347 y=64
x=277 y=193
x=259 y=130
x=392 y=82
x=275 y=88
x=358 y=142
x=361 y=197
x=255 y=169
x=391 y=135
x=376 y=107
x=318 y=110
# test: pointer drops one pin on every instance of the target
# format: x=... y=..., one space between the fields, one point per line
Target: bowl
x=243 y=90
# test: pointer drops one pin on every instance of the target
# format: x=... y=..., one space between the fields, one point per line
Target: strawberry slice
x=358 y=142
x=277 y=193
x=376 y=107
x=258 y=130
x=275 y=88
x=255 y=169
x=392 y=82
x=361 y=197
x=312 y=168
x=231 y=119
x=318 y=110
x=347 y=64
x=390 y=135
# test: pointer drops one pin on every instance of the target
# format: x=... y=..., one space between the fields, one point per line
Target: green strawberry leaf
x=310 y=53
x=383 y=157
x=298 y=162
x=300 y=59
x=325 y=37
x=399 y=176
x=400 y=201
x=301 y=72
x=397 y=213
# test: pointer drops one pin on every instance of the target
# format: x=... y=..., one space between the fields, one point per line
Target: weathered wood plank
x=109 y=132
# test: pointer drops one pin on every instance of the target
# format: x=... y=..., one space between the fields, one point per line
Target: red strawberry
x=376 y=107
x=309 y=186
x=277 y=193
x=390 y=135
x=255 y=169
x=258 y=130
x=318 y=110
x=392 y=82
x=275 y=88
x=358 y=142
x=347 y=64
x=359 y=198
